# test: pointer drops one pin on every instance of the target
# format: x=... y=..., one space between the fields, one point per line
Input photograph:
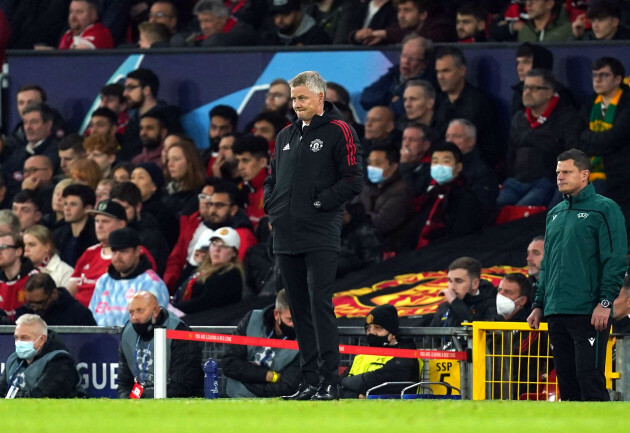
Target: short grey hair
x=311 y=79
x=214 y=7
x=429 y=90
x=469 y=127
x=282 y=302
x=11 y=220
x=33 y=319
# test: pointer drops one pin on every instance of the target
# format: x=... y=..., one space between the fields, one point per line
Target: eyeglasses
x=32 y=170
x=6 y=247
x=131 y=87
x=219 y=244
x=601 y=75
x=37 y=303
x=203 y=197
x=159 y=15
x=275 y=96
x=535 y=88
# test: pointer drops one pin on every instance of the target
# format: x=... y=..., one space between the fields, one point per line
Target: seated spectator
x=122 y=171
x=415 y=63
x=278 y=98
x=419 y=104
x=55 y=218
x=387 y=199
x=183 y=177
x=367 y=371
x=130 y=272
x=336 y=93
x=153 y=35
x=102 y=149
x=14 y=271
x=361 y=245
x=166 y=13
x=262 y=271
x=514 y=298
x=153 y=131
x=38 y=22
x=470 y=23
x=463 y=100
x=481 y=178
x=219 y=28
x=53 y=304
x=263 y=371
x=415 y=157
x=27 y=207
x=87 y=172
x=219 y=279
x=85 y=32
x=535 y=254
x=103 y=189
x=291 y=26
x=365 y=17
x=9 y=222
x=112 y=97
x=38 y=178
x=77 y=233
x=468 y=297
x=252 y=154
x=449 y=208
x=70 y=150
x=547 y=22
x=330 y=16
x=268 y=125
x=546 y=128
x=103 y=121
x=136 y=366
x=379 y=129
x=40 y=249
x=223 y=120
x=605 y=18
x=528 y=56
x=41 y=366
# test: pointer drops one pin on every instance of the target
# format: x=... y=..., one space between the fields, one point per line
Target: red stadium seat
x=511 y=213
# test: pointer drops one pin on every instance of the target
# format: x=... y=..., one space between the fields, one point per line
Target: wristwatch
x=606 y=303
x=317 y=204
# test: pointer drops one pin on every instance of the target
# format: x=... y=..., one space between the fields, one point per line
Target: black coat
x=321 y=162
x=152 y=239
x=165 y=217
x=220 y=289
x=14 y=164
x=384 y=17
x=65 y=311
x=482 y=180
x=86 y=239
x=472 y=308
x=38 y=22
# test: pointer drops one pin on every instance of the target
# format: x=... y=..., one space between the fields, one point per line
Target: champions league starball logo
x=316 y=145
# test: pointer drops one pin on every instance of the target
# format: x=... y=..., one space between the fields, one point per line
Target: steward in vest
x=41 y=366
x=263 y=371
x=136 y=360
x=367 y=371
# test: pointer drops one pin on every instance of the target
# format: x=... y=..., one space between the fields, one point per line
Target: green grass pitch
x=347 y=416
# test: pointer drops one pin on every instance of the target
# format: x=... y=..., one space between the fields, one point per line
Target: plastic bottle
x=211 y=379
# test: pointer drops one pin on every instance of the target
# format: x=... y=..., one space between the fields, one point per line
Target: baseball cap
x=283 y=6
x=124 y=238
x=109 y=208
x=385 y=316
x=228 y=235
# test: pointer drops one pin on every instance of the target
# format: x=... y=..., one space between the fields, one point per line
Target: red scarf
x=535 y=122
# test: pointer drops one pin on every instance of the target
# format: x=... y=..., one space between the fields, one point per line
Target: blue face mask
x=25 y=349
x=442 y=173
x=375 y=174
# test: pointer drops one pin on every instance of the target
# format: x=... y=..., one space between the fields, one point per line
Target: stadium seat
x=547 y=390
x=511 y=213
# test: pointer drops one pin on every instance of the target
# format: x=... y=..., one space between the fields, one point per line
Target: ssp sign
x=444 y=371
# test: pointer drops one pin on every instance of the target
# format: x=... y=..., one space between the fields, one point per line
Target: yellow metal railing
x=510 y=361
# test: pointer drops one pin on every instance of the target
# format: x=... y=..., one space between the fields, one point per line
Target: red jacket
x=255 y=195
x=96 y=34
x=187 y=226
x=12 y=292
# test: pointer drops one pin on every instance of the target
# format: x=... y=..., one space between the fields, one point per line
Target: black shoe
x=304 y=392
x=326 y=392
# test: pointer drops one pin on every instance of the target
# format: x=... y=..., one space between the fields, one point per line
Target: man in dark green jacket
x=580 y=277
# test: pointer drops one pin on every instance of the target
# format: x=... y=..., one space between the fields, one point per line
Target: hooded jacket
x=65 y=311
x=320 y=163
x=307 y=33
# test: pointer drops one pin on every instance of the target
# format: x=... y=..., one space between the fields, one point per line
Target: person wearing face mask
x=387 y=199
x=263 y=371
x=449 y=208
x=41 y=366
x=136 y=352
x=514 y=298
x=382 y=330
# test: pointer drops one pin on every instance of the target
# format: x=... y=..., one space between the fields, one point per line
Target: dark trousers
x=579 y=355
x=308 y=279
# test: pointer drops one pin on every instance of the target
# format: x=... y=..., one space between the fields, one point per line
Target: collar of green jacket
x=586 y=193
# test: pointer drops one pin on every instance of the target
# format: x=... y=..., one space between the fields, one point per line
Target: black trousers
x=308 y=279
x=579 y=355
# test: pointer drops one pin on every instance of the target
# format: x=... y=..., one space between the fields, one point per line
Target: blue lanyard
x=142 y=369
x=14 y=379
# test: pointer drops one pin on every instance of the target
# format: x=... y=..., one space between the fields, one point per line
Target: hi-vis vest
x=366 y=363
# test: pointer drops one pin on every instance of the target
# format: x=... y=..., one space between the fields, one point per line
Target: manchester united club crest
x=316 y=145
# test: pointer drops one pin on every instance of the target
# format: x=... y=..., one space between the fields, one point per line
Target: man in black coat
x=316 y=168
x=291 y=26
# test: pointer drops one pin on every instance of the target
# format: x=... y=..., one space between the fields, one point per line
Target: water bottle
x=211 y=379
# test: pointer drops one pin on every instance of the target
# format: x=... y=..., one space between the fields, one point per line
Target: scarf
x=601 y=119
x=535 y=122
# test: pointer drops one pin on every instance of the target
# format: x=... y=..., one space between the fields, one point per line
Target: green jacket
x=585 y=254
x=557 y=30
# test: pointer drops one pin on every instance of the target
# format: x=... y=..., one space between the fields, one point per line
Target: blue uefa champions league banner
x=96 y=356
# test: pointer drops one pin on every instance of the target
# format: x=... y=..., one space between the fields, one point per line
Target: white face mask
x=505 y=306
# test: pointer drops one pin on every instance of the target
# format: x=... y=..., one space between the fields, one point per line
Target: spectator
x=528 y=56
x=547 y=22
x=55 y=218
x=103 y=189
x=77 y=233
x=546 y=127
x=387 y=199
x=604 y=18
x=481 y=178
x=291 y=26
x=40 y=249
x=165 y=12
x=462 y=100
x=219 y=279
x=103 y=121
x=184 y=178
x=268 y=125
x=470 y=23
x=278 y=97
x=53 y=304
x=85 y=32
x=153 y=35
x=41 y=366
x=514 y=297
x=336 y=93
x=225 y=165
x=263 y=371
x=449 y=208
x=330 y=16
x=153 y=131
x=37 y=22
x=535 y=253
x=218 y=207
x=223 y=120
x=27 y=207
x=9 y=222
x=367 y=371
x=252 y=154
x=122 y=171
x=112 y=97
x=130 y=272
x=361 y=245
x=262 y=271
x=415 y=157
x=468 y=297
x=183 y=358
x=38 y=178
x=14 y=271
x=415 y=58
x=365 y=17
x=419 y=104
x=70 y=150
x=379 y=129
x=129 y=196
x=102 y=149
x=219 y=28
x=87 y=172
